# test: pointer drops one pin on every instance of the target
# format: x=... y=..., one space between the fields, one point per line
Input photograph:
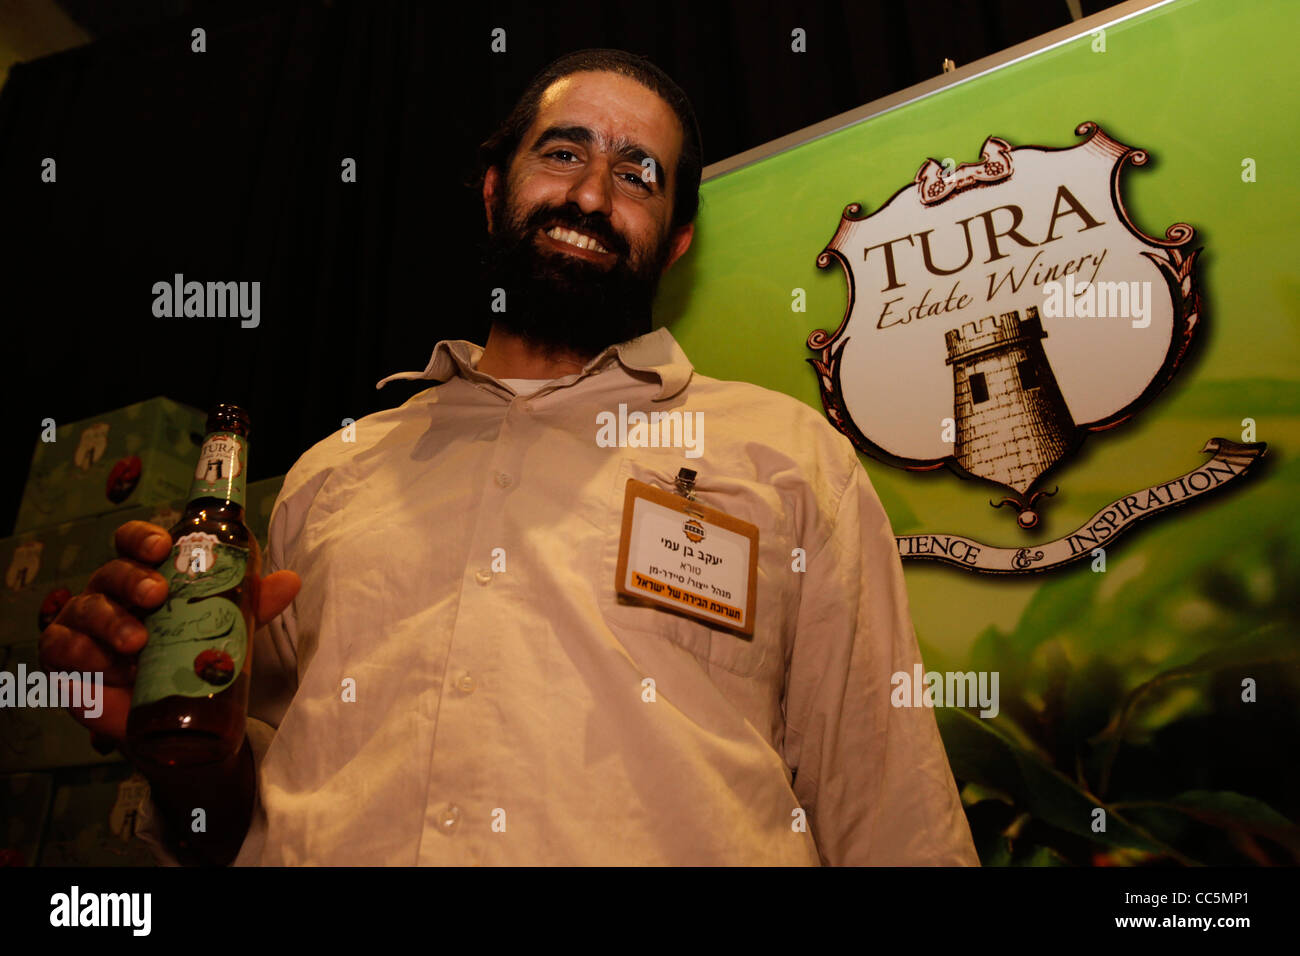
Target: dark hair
x=499 y=148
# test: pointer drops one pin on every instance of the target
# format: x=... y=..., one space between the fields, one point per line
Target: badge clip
x=686 y=488
x=686 y=484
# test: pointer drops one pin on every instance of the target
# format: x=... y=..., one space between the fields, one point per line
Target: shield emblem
x=1001 y=311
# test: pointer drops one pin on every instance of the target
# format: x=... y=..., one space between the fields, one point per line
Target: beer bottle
x=191 y=687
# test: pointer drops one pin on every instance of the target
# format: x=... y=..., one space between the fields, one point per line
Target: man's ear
x=679 y=242
x=491 y=185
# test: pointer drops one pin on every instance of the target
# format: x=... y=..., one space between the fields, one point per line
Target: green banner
x=1158 y=683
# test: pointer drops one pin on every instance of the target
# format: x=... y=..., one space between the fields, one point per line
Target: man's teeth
x=575 y=239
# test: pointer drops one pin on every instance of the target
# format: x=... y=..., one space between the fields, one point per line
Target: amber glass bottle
x=191 y=689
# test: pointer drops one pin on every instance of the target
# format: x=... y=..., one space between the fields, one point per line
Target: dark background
x=224 y=166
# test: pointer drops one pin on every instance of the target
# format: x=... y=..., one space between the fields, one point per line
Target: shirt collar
x=656 y=352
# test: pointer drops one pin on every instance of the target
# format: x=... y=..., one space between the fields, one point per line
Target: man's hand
x=100 y=629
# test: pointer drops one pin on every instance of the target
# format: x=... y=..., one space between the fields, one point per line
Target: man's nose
x=593 y=192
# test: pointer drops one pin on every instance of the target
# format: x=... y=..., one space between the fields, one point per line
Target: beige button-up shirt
x=458 y=683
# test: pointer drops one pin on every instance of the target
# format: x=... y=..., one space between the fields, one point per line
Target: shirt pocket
x=744 y=656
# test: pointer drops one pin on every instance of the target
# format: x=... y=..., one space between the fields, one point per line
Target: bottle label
x=197 y=640
x=222 y=468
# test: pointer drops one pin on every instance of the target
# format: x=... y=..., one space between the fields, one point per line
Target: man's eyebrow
x=622 y=147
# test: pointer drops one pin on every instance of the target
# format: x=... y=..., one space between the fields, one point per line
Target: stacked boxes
x=24 y=807
x=93 y=819
x=140 y=454
x=44 y=565
x=42 y=569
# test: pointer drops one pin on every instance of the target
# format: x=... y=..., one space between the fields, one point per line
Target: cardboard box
x=91 y=819
x=24 y=808
x=138 y=455
x=44 y=567
x=41 y=738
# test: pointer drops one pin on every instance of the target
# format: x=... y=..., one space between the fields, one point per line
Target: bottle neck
x=215 y=508
x=221 y=474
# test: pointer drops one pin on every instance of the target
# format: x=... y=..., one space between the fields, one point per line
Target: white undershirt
x=526 y=386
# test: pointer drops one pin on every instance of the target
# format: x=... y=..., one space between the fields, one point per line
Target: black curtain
x=225 y=166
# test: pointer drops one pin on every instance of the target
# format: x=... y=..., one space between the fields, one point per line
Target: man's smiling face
x=581 y=223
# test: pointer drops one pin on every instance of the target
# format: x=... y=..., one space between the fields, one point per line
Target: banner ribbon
x=1231 y=461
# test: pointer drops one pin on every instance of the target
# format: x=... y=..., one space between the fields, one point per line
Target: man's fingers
x=100 y=617
x=276 y=593
x=142 y=541
x=129 y=582
x=63 y=649
x=95 y=633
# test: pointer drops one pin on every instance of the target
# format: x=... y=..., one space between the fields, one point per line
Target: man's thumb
x=277 y=591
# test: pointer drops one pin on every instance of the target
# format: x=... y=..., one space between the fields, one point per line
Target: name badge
x=680 y=554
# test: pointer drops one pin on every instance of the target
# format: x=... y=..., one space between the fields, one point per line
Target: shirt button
x=449 y=818
x=466 y=684
x=482 y=576
x=503 y=479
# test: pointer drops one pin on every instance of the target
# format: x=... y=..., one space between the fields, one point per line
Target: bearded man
x=463 y=678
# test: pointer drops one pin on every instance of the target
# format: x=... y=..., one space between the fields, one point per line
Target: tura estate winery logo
x=1000 y=313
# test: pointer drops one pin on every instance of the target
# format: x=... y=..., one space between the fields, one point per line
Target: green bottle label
x=222 y=470
x=197 y=641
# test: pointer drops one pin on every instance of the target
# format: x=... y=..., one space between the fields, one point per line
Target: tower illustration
x=1012 y=421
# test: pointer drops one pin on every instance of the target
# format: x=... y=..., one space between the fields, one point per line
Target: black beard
x=562 y=303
